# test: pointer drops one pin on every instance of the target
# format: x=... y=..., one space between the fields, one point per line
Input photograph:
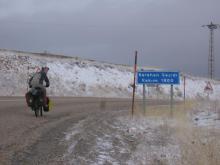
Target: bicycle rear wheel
x=41 y=111
x=36 y=111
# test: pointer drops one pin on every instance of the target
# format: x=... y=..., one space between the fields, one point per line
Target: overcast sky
x=166 y=33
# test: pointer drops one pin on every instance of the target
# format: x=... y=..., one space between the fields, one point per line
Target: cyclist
x=37 y=81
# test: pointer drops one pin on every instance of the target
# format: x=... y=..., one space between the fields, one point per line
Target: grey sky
x=167 y=33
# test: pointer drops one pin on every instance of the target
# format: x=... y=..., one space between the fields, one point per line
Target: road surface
x=26 y=139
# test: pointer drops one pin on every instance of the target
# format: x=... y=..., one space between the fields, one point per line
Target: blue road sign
x=155 y=77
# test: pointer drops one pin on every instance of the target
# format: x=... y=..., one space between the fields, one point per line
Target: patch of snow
x=206 y=114
x=89 y=145
x=156 y=145
x=207 y=119
x=103 y=148
x=74 y=131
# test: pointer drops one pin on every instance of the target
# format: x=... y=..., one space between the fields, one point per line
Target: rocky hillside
x=72 y=76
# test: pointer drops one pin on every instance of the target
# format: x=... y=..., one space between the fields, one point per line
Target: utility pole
x=211 y=59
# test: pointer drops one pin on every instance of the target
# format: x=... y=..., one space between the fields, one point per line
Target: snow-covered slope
x=77 y=77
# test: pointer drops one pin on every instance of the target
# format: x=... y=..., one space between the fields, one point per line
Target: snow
x=156 y=145
x=104 y=148
x=207 y=115
x=157 y=139
x=207 y=119
x=151 y=136
x=87 y=146
x=72 y=76
x=74 y=131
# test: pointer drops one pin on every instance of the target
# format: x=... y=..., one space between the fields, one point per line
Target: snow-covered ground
x=187 y=137
x=72 y=76
x=207 y=114
x=157 y=144
x=120 y=140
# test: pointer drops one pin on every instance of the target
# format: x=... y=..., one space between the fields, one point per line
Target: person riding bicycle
x=37 y=81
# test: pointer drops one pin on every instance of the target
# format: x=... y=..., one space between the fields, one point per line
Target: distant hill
x=73 y=76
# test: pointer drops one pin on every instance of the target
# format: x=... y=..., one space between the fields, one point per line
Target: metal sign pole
x=184 y=83
x=171 y=99
x=134 y=84
x=144 y=98
x=157 y=91
x=148 y=91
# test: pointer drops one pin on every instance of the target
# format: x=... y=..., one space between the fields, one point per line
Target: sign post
x=157 y=78
x=171 y=99
x=134 y=85
x=144 y=98
x=184 y=84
